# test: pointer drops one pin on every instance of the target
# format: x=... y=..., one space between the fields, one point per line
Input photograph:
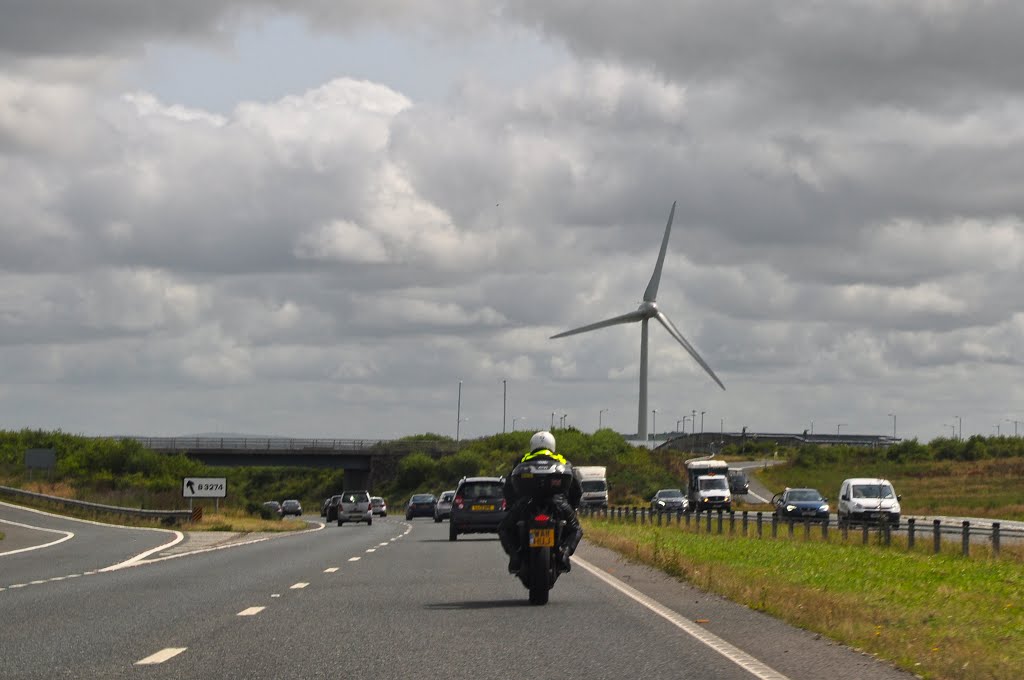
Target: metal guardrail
x=99 y=507
x=915 y=529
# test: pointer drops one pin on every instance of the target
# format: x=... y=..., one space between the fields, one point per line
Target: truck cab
x=594 y=483
x=707 y=485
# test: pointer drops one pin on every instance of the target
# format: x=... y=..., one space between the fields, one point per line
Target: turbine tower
x=648 y=310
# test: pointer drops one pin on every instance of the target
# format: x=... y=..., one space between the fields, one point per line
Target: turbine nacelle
x=649 y=308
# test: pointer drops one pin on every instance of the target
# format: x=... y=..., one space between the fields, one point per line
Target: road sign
x=204 y=487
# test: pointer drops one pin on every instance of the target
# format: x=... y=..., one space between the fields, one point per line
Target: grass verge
x=939 y=616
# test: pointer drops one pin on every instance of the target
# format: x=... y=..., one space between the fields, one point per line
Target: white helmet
x=542 y=440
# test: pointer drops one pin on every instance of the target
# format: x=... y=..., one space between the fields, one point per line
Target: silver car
x=355 y=507
x=443 y=507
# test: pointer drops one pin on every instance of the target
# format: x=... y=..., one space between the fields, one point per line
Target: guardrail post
x=995 y=539
x=688 y=520
x=910 y=533
x=643 y=515
x=659 y=517
x=775 y=526
x=745 y=520
x=789 y=526
x=634 y=515
x=936 y=536
x=760 y=531
x=732 y=522
x=679 y=516
x=864 y=532
x=807 y=529
x=709 y=521
x=886 y=532
x=844 y=529
x=965 y=539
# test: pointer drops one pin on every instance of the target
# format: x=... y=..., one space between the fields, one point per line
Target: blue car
x=800 y=504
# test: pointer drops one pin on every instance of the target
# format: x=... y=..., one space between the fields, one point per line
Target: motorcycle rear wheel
x=540 y=564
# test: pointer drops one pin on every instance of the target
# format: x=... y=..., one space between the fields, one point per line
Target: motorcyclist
x=542 y=445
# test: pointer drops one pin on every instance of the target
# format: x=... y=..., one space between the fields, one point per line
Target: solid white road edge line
x=67 y=535
x=161 y=656
x=734 y=654
x=132 y=561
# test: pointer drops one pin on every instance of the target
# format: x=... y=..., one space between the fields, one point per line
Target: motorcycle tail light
x=542 y=518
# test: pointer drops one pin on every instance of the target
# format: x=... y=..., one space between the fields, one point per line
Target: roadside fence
x=941 y=535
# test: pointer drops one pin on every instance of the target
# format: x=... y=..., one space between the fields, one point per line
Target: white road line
x=251 y=611
x=17 y=585
x=58 y=578
x=369 y=550
x=275 y=595
x=36 y=583
x=763 y=500
x=299 y=586
x=132 y=561
x=354 y=559
x=748 y=663
x=382 y=544
x=330 y=570
x=67 y=536
x=161 y=656
x=73 y=575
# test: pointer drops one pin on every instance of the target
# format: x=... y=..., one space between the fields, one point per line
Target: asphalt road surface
x=393 y=600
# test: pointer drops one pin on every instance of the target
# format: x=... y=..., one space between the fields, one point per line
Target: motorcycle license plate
x=542 y=538
x=482 y=508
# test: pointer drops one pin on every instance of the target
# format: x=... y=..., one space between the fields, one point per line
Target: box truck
x=595 y=485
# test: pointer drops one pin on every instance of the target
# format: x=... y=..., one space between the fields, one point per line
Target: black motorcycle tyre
x=539 y=571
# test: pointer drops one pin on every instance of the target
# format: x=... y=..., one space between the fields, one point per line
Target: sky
x=323 y=218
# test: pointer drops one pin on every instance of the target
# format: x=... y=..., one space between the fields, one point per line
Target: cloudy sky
x=317 y=217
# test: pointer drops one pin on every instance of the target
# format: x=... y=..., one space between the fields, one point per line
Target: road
x=394 y=600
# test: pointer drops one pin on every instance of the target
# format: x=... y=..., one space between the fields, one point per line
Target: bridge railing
x=255 y=444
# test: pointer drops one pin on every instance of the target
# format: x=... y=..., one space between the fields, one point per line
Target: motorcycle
x=541 y=528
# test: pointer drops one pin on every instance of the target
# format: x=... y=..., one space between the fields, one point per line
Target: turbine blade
x=614 y=321
x=674 y=332
x=652 y=288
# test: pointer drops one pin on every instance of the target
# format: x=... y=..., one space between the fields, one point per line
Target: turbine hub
x=649 y=308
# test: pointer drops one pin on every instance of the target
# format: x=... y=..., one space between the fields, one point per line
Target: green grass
x=940 y=616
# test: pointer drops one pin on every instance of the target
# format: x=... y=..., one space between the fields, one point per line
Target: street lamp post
x=514 y=419
x=552 y=420
x=458 y=416
x=997 y=430
x=960 y=434
x=685 y=418
x=839 y=425
x=562 y=420
x=893 y=416
x=504 y=403
x=701 y=427
x=952 y=430
x=654 y=425
x=1015 y=422
x=599 y=414
x=812 y=427
x=677 y=425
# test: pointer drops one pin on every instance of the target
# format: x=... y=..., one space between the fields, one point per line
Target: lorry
x=594 y=482
x=707 y=485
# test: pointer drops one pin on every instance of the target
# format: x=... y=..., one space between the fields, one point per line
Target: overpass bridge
x=359 y=458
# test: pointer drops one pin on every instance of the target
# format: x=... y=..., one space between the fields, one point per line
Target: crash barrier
x=163 y=515
x=720 y=522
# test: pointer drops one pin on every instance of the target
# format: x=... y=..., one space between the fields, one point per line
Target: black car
x=738 y=482
x=331 y=511
x=291 y=507
x=669 y=500
x=420 y=505
x=479 y=506
x=800 y=504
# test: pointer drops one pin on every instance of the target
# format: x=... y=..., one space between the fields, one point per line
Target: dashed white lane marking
x=383 y=544
x=353 y=559
x=36 y=583
x=299 y=586
x=745 y=661
x=17 y=585
x=58 y=578
x=161 y=656
x=275 y=595
x=369 y=550
x=251 y=611
x=330 y=570
x=73 y=575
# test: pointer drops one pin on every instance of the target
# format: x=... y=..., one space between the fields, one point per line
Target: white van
x=594 y=482
x=866 y=499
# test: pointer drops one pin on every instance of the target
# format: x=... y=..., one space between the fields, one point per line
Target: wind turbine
x=648 y=310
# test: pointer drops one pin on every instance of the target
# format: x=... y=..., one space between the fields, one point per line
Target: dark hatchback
x=479 y=506
x=800 y=504
x=331 y=511
x=420 y=505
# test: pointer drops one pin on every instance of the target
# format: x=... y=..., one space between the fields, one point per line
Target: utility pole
x=504 y=403
x=458 y=416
